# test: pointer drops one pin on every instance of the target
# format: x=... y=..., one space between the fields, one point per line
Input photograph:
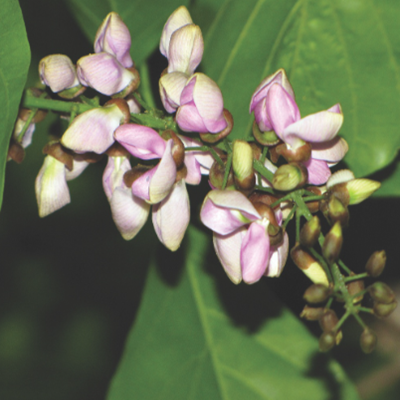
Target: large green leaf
x=145 y=20
x=14 y=64
x=345 y=51
x=186 y=345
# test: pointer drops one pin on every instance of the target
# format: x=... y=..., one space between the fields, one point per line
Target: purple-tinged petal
x=336 y=109
x=51 y=187
x=189 y=119
x=27 y=138
x=254 y=254
x=141 y=141
x=78 y=166
x=171 y=87
x=93 y=130
x=113 y=37
x=103 y=72
x=141 y=186
x=332 y=151
x=129 y=213
x=225 y=211
x=133 y=104
x=113 y=176
x=180 y=17
x=171 y=216
x=281 y=108
x=318 y=171
x=315 y=128
x=58 y=72
x=185 y=49
x=261 y=116
x=263 y=88
x=227 y=248
x=278 y=257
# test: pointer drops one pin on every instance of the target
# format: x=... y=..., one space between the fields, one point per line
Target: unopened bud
x=376 y=263
x=310 y=231
x=334 y=210
x=216 y=175
x=309 y=265
x=356 y=287
x=289 y=177
x=328 y=320
x=384 y=310
x=313 y=206
x=360 y=189
x=269 y=138
x=368 y=340
x=381 y=292
x=301 y=154
x=333 y=243
x=216 y=137
x=317 y=293
x=326 y=341
x=15 y=152
x=312 y=313
x=242 y=165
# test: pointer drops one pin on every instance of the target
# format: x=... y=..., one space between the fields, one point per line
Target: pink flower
x=113 y=37
x=201 y=106
x=241 y=238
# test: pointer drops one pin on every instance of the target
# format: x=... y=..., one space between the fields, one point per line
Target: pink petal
x=332 y=151
x=77 y=168
x=261 y=116
x=278 y=257
x=227 y=248
x=254 y=254
x=189 y=119
x=141 y=141
x=114 y=174
x=281 y=108
x=318 y=171
x=171 y=216
x=171 y=86
x=129 y=213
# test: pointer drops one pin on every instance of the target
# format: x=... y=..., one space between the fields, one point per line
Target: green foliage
x=185 y=344
x=14 y=64
x=144 y=19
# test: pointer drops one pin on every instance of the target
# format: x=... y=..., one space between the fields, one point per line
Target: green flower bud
x=317 y=293
x=368 y=340
x=268 y=138
x=242 y=165
x=376 y=263
x=335 y=210
x=289 y=177
x=381 y=293
x=360 y=189
x=310 y=231
x=326 y=341
x=333 y=243
x=384 y=310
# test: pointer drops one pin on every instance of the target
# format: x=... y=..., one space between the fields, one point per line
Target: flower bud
x=360 y=189
x=310 y=231
x=301 y=154
x=268 y=138
x=334 y=210
x=326 y=341
x=289 y=177
x=312 y=313
x=309 y=265
x=384 y=310
x=214 y=138
x=333 y=243
x=328 y=320
x=354 y=288
x=313 y=206
x=216 y=175
x=242 y=165
x=15 y=152
x=368 y=340
x=317 y=293
x=381 y=293
x=376 y=263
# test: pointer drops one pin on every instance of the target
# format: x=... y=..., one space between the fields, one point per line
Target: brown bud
x=312 y=313
x=376 y=263
x=355 y=287
x=368 y=340
x=301 y=154
x=178 y=149
x=274 y=230
x=326 y=341
x=328 y=320
x=24 y=114
x=260 y=197
x=384 y=310
x=268 y=138
x=381 y=293
x=16 y=152
x=257 y=150
x=123 y=106
x=310 y=231
x=216 y=175
x=60 y=153
x=334 y=210
x=117 y=150
x=313 y=206
x=333 y=243
x=135 y=173
x=317 y=293
x=213 y=138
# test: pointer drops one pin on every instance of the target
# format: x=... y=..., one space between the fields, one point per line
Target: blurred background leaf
x=14 y=64
x=186 y=344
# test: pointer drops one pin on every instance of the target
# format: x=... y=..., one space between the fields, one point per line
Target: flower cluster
x=256 y=188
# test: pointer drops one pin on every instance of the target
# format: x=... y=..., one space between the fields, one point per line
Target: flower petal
x=171 y=216
x=254 y=254
x=278 y=257
x=332 y=151
x=171 y=86
x=318 y=171
x=114 y=174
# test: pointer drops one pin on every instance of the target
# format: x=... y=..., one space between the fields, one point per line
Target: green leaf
x=333 y=51
x=14 y=64
x=145 y=20
x=186 y=344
